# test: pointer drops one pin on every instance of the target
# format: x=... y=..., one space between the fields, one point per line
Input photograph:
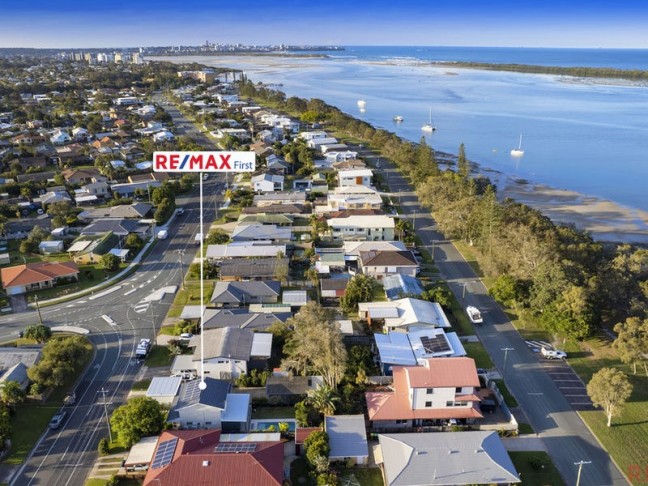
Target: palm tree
x=323 y=399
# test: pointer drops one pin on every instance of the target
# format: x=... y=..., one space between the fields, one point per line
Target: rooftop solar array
x=164 y=453
x=436 y=344
x=235 y=447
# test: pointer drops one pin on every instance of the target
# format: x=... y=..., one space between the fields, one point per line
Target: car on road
x=474 y=315
x=553 y=353
x=57 y=420
x=180 y=211
x=186 y=335
x=70 y=399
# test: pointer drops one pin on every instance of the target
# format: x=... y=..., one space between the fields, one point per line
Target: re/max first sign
x=204 y=161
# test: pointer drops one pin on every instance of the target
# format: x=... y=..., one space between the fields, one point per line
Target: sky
x=140 y=23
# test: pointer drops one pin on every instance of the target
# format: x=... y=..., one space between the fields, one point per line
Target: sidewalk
x=533 y=443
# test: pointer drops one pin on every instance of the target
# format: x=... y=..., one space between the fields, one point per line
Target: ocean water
x=586 y=135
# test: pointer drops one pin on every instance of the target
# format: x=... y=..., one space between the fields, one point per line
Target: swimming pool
x=264 y=425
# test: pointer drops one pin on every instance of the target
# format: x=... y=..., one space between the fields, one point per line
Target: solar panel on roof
x=235 y=447
x=192 y=391
x=436 y=344
x=164 y=453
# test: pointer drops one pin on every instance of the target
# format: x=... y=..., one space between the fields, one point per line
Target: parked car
x=487 y=406
x=553 y=353
x=57 y=420
x=70 y=399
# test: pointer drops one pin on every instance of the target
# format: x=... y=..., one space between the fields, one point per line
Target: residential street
x=566 y=437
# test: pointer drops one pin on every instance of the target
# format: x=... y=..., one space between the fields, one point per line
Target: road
x=65 y=457
x=567 y=438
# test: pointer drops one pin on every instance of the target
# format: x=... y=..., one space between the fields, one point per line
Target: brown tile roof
x=354 y=212
x=302 y=433
x=195 y=462
x=437 y=373
x=32 y=273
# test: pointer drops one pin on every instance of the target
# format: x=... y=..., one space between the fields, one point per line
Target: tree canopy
x=609 y=389
x=60 y=359
x=139 y=417
x=632 y=342
x=38 y=332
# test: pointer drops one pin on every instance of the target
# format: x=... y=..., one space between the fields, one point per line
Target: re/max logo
x=204 y=161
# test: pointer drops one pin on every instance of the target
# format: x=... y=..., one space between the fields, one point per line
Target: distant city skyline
x=122 y=23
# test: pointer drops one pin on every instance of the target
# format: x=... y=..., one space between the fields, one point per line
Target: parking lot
x=567 y=381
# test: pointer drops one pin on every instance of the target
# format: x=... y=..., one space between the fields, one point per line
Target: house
x=54 y=197
x=253 y=268
x=205 y=457
x=261 y=200
x=20 y=279
x=36 y=177
x=282 y=209
x=262 y=232
x=362 y=228
x=244 y=249
x=440 y=390
x=267 y=182
x=82 y=176
x=127 y=189
x=164 y=389
x=230 y=352
x=347 y=438
x=90 y=248
x=450 y=458
x=215 y=407
x=353 y=197
x=263 y=218
x=352 y=249
x=333 y=288
x=290 y=389
x=59 y=137
x=404 y=314
x=354 y=177
x=295 y=298
x=118 y=226
x=138 y=210
x=234 y=294
x=413 y=348
x=398 y=286
x=98 y=189
x=14 y=363
x=339 y=156
x=329 y=260
x=379 y=264
x=241 y=319
x=47 y=247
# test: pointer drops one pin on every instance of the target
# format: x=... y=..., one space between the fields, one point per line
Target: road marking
x=82 y=301
x=130 y=292
x=105 y=292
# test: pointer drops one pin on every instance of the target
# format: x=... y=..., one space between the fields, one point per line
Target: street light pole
x=506 y=350
x=103 y=392
x=40 y=317
x=463 y=292
x=580 y=469
x=180 y=255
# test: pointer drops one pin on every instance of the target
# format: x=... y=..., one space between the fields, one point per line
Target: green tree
x=164 y=211
x=609 y=389
x=38 y=332
x=12 y=394
x=316 y=445
x=508 y=290
x=140 y=417
x=217 y=237
x=463 y=167
x=315 y=345
x=439 y=294
x=360 y=289
x=403 y=227
x=134 y=242
x=323 y=399
x=59 y=212
x=5 y=425
x=60 y=359
x=109 y=262
x=632 y=342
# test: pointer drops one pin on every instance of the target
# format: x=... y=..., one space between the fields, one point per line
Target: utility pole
x=40 y=318
x=506 y=350
x=580 y=469
x=180 y=255
x=103 y=392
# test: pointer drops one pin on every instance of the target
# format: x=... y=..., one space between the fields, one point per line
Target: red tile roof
x=195 y=462
x=437 y=373
x=32 y=273
x=302 y=433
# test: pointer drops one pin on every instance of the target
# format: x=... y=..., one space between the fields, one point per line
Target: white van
x=162 y=234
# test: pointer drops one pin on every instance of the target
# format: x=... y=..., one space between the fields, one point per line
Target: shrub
x=104 y=447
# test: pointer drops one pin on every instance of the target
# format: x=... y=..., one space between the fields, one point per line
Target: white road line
x=130 y=292
x=105 y=292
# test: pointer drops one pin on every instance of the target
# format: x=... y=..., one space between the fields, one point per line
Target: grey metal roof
x=242 y=319
x=214 y=395
x=347 y=436
x=398 y=285
x=228 y=342
x=120 y=227
x=258 y=231
x=164 y=386
x=244 y=292
x=251 y=267
x=449 y=458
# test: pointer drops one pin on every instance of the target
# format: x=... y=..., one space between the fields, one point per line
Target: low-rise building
x=20 y=279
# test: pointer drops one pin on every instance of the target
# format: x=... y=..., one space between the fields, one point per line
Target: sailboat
x=428 y=127
x=518 y=152
x=362 y=104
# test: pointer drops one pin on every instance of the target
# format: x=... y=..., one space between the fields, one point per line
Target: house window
x=449 y=404
x=458 y=389
x=208 y=423
x=430 y=391
x=401 y=421
x=428 y=404
x=189 y=423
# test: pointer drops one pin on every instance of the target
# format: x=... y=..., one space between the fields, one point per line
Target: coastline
x=606 y=220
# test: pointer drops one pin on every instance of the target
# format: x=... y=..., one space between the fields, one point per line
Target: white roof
x=142 y=452
x=261 y=344
x=411 y=312
x=236 y=408
x=353 y=248
x=295 y=297
x=439 y=334
x=79 y=246
x=121 y=253
x=164 y=386
x=345 y=325
x=183 y=362
x=363 y=221
x=244 y=249
x=347 y=436
x=355 y=173
x=191 y=312
x=81 y=199
x=395 y=348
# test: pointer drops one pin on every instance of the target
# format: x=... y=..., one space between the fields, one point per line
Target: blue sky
x=134 y=23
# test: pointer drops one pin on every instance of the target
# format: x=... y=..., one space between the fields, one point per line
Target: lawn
x=261 y=412
x=190 y=295
x=477 y=352
x=525 y=429
x=159 y=356
x=459 y=320
x=300 y=473
x=536 y=469
x=508 y=398
x=365 y=476
x=141 y=385
x=31 y=419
